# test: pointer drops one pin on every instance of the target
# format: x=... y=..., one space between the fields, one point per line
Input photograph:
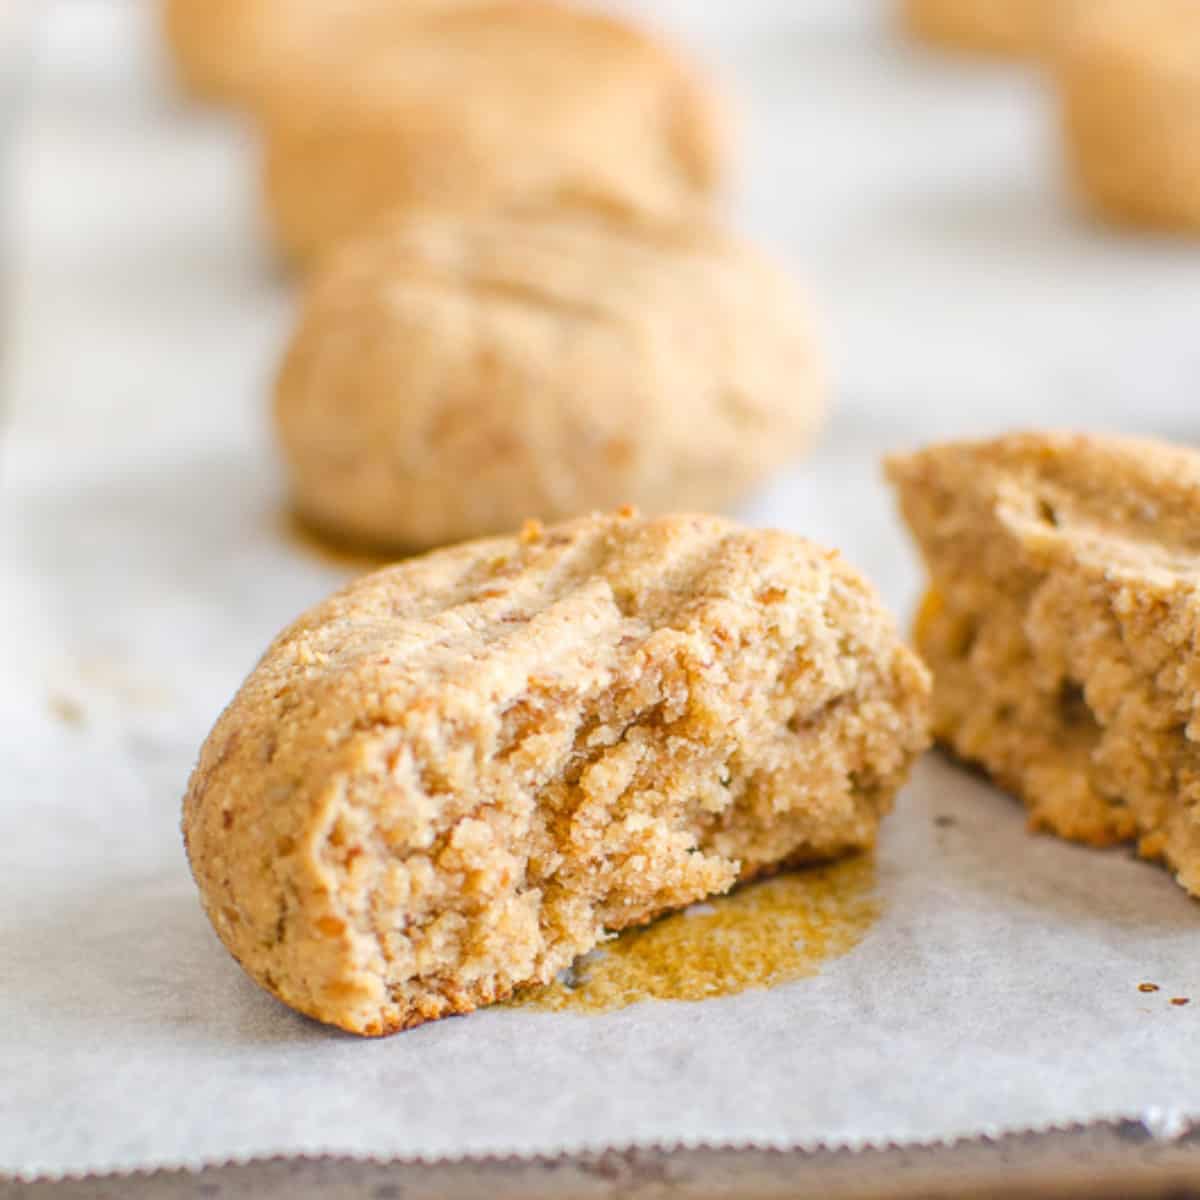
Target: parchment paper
x=143 y=568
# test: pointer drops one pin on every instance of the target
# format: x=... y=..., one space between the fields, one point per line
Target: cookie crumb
x=1147 y=987
x=1180 y=1001
x=532 y=531
x=66 y=709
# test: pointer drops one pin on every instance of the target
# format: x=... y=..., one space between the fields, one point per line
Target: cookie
x=451 y=377
x=235 y=51
x=1003 y=27
x=511 y=106
x=1128 y=80
x=463 y=771
x=1062 y=625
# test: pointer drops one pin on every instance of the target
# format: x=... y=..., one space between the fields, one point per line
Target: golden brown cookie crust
x=459 y=773
x=565 y=108
x=1128 y=78
x=1004 y=27
x=1062 y=623
x=451 y=377
x=238 y=52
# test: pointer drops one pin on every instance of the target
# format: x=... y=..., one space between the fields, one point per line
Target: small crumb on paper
x=66 y=709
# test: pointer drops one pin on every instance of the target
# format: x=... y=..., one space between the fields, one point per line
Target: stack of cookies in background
x=520 y=299
x=1127 y=78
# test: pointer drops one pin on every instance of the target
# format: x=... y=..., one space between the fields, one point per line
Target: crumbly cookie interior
x=1060 y=624
x=578 y=735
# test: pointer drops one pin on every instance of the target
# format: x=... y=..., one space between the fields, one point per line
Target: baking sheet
x=144 y=563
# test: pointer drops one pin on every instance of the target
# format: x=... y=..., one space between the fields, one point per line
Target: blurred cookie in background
x=452 y=376
x=501 y=106
x=1128 y=76
x=1003 y=27
x=234 y=51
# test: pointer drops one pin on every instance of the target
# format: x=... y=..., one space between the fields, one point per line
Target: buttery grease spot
x=762 y=935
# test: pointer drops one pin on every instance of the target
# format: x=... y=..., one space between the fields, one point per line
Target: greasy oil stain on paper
x=764 y=934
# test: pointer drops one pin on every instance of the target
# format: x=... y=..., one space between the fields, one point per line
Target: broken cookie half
x=1062 y=625
x=461 y=772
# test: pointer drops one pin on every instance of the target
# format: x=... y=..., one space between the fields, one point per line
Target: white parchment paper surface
x=142 y=570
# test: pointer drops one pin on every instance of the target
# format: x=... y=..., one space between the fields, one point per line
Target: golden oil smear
x=313 y=542
x=762 y=935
